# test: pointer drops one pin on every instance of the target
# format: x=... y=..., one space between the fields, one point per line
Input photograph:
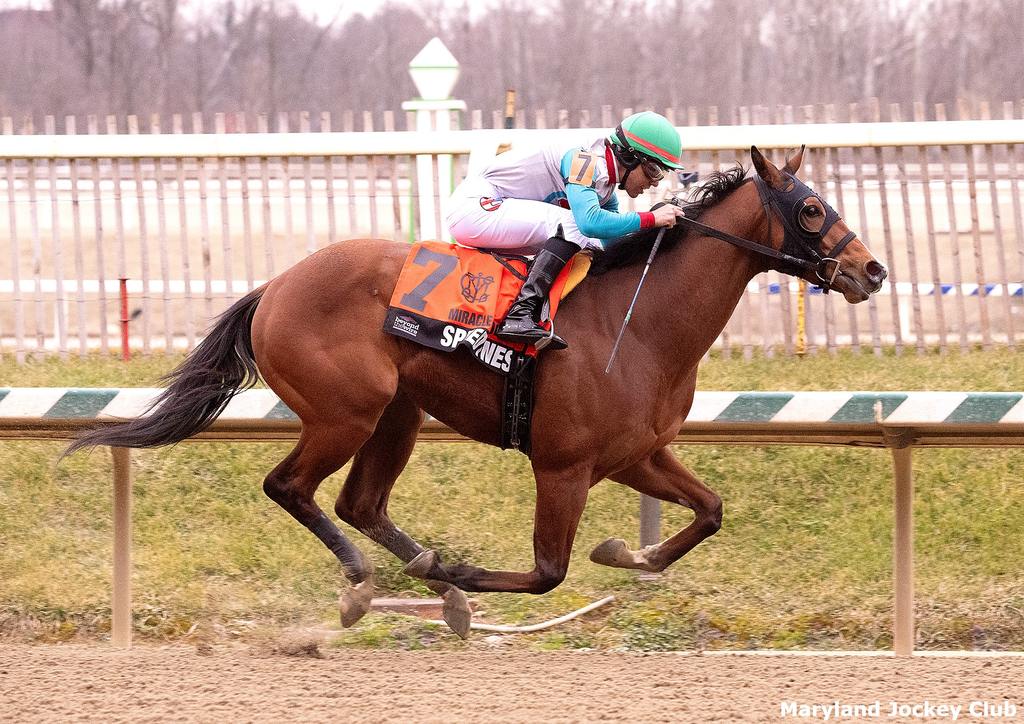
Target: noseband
x=801 y=246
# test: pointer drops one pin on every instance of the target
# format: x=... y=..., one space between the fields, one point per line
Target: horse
x=314 y=335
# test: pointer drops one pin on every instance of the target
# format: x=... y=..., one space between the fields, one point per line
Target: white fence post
x=434 y=70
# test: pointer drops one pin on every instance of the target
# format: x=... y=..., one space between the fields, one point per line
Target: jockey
x=555 y=201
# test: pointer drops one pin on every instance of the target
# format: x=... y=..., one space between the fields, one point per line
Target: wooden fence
x=869 y=110
x=192 y=221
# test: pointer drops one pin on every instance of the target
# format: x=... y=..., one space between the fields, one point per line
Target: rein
x=803 y=238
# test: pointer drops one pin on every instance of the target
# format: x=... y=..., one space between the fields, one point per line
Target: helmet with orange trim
x=649 y=139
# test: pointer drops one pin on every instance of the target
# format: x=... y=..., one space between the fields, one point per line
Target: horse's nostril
x=875 y=271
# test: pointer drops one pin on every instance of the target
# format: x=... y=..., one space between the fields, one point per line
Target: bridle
x=799 y=235
x=801 y=243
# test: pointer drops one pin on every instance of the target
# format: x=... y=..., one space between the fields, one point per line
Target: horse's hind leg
x=662 y=476
x=561 y=496
x=363 y=500
x=321 y=451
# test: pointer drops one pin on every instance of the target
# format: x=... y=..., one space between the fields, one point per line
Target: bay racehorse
x=314 y=334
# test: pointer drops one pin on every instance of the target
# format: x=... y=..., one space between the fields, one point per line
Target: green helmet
x=652 y=135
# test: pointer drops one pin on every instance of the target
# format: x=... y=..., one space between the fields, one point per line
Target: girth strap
x=503 y=260
x=517 y=405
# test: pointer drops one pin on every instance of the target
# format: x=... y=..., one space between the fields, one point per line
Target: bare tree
x=143 y=56
x=161 y=16
x=79 y=22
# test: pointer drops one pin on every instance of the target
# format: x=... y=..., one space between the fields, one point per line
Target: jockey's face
x=639 y=181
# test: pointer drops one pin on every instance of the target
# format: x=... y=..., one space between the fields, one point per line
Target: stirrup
x=552 y=340
x=536 y=335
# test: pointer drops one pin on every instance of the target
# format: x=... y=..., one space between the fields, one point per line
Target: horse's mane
x=636 y=247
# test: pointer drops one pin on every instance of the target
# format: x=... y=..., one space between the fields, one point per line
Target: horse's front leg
x=662 y=476
x=561 y=496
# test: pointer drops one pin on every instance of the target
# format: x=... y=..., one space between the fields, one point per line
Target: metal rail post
x=650 y=520
x=650 y=529
x=121 y=613
x=903 y=552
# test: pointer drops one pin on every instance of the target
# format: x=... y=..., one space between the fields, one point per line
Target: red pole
x=126 y=353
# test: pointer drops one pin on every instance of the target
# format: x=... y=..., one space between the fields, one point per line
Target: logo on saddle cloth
x=475 y=286
x=449 y=296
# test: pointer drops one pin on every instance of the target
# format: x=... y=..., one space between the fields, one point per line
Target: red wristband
x=646 y=219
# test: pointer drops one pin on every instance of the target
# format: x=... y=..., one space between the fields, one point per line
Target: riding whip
x=629 y=312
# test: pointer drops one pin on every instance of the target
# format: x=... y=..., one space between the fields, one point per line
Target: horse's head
x=811 y=230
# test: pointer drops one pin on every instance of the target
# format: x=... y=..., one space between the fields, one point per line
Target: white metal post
x=431 y=117
x=434 y=70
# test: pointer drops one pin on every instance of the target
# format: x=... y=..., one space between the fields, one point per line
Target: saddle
x=450 y=297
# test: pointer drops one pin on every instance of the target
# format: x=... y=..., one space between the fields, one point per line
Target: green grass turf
x=803 y=559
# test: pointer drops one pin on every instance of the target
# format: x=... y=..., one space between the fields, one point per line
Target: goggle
x=653 y=170
x=631 y=158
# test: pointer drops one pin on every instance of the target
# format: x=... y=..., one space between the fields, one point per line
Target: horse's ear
x=793 y=162
x=766 y=169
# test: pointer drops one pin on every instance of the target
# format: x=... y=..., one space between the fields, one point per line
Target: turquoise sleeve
x=591 y=219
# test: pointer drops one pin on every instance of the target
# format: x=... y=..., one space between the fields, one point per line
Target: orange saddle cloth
x=449 y=296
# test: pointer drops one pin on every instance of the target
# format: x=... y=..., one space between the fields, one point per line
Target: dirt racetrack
x=77 y=682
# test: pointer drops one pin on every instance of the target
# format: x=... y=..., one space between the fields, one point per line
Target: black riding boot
x=522 y=324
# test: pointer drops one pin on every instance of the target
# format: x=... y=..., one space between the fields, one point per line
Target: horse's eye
x=812 y=218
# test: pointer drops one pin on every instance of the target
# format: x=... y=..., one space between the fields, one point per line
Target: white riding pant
x=476 y=218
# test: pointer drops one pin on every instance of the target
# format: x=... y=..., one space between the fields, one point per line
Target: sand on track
x=83 y=682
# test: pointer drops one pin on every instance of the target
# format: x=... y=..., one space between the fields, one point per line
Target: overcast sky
x=322 y=11
x=313 y=8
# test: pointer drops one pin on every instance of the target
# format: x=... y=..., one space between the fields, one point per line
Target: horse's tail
x=199 y=388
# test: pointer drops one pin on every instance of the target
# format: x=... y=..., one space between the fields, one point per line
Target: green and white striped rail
x=854 y=418
x=897 y=420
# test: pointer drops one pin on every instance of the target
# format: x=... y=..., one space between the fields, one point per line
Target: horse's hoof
x=456 y=612
x=421 y=565
x=615 y=553
x=355 y=602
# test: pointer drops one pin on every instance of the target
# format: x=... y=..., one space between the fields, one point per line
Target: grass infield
x=803 y=559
